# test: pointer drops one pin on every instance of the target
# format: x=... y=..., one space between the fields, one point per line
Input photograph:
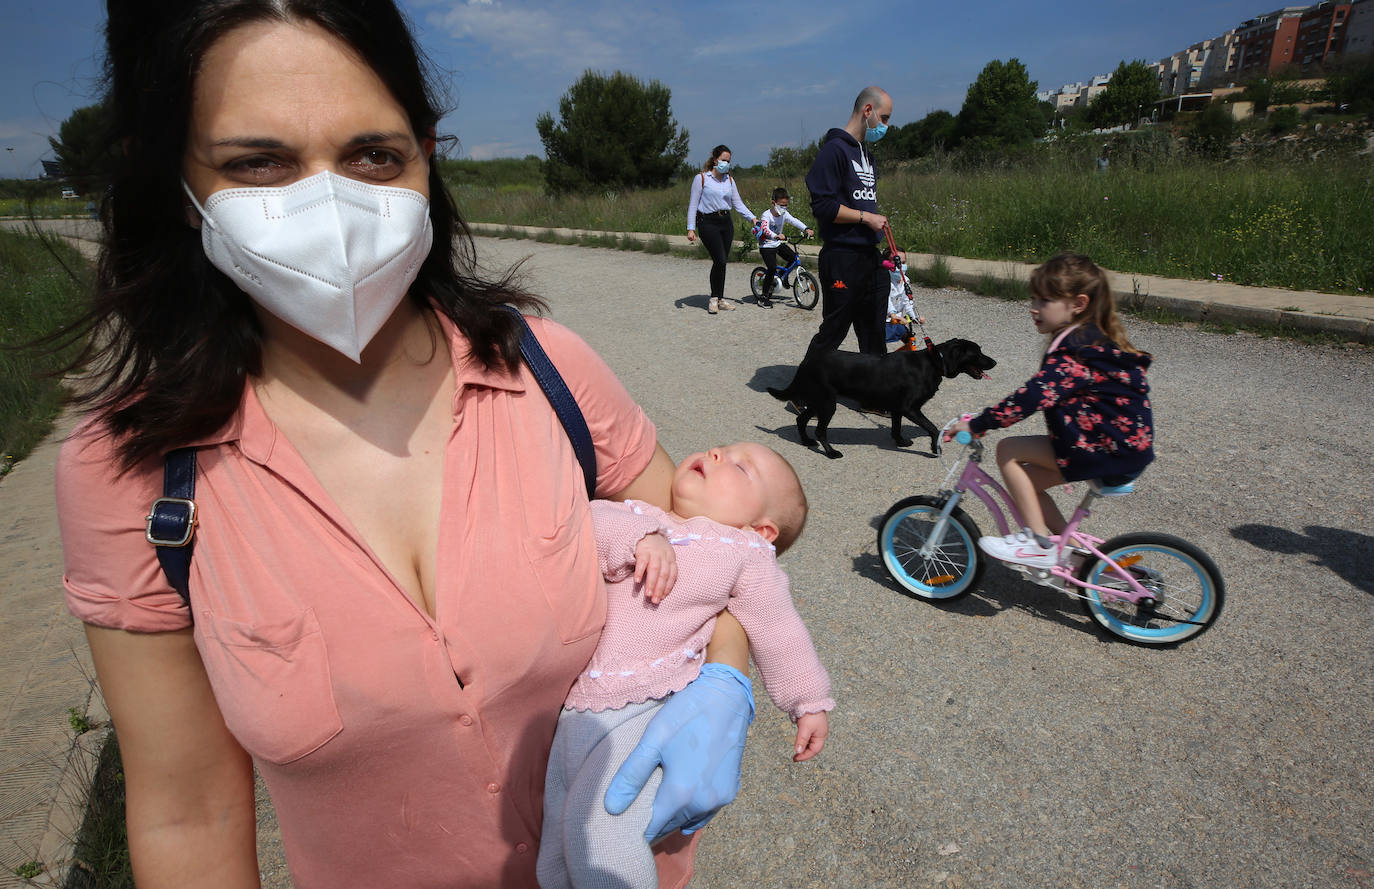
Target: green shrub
x=42 y=283
x=1285 y=119
x=1214 y=129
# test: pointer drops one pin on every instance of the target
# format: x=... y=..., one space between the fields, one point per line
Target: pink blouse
x=399 y=749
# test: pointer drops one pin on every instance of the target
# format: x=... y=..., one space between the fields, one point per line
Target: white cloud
x=745 y=43
x=566 y=37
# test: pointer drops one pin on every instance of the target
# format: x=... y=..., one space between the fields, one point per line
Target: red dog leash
x=894 y=264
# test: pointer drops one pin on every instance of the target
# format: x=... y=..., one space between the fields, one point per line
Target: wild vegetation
x=42 y=282
x=1248 y=207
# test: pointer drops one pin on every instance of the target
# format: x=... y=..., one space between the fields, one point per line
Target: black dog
x=900 y=382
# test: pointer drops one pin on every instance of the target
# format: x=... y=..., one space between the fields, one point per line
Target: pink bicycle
x=1146 y=587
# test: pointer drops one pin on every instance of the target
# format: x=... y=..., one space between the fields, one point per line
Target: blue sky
x=750 y=75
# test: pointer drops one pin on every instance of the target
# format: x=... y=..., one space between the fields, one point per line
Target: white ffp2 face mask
x=330 y=256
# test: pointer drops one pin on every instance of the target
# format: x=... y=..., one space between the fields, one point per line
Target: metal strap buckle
x=171 y=516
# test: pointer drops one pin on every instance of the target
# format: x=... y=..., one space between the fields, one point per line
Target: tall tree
x=84 y=147
x=1000 y=108
x=1130 y=94
x=613 y=131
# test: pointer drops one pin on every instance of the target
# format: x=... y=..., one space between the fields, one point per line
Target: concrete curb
x=1349 y=317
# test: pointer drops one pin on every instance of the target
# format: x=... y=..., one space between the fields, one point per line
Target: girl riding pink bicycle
x=1092 y=388
x=1145 y=587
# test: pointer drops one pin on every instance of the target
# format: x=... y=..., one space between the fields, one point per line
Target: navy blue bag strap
x=564 y=404
x=171 y=523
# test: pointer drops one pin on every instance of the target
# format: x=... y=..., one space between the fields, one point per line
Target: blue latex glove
x=698 y=738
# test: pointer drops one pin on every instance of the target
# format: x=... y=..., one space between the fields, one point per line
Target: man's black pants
x=854 y=287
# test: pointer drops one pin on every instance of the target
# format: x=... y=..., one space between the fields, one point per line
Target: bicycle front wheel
x=951 y=570
x=805 y=290
x=756 y=280
x=1185 y=582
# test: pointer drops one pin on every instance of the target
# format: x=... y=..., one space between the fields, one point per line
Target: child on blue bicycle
x=1091 y=386
x=771 y=245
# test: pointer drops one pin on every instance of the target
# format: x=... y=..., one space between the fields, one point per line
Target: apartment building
x=1075 y=95
x=1359 y=28
x=1219 y=60
x=1182 y=72
x=1321 y=32
x=1266 y=43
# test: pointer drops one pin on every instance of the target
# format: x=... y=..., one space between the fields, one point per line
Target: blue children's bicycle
x=806 y=290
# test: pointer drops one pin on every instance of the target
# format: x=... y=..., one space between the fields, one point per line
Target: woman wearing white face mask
x=394 y=582
x=708 y=211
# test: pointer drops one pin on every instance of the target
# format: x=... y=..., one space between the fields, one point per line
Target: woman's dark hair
x=715 y=153
x=170 y=338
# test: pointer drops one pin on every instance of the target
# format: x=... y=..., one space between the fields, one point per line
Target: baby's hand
x=961 y=426
x=655 y=566
x=812 y=730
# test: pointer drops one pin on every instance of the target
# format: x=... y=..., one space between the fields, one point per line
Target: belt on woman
x=702 y=213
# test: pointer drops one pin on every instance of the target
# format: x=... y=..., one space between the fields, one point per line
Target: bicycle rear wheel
x=1188 y=588
x=805 y=290
x=756 y=280
x=952 y=569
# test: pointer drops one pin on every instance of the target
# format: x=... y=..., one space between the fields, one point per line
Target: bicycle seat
x=1111 y=490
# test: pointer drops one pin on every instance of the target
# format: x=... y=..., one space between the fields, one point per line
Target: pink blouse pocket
x=272 y=683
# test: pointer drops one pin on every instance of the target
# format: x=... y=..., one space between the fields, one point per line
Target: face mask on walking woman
x=722 y=167
x=330 y=256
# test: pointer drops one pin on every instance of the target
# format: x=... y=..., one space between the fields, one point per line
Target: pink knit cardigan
x=649 y=651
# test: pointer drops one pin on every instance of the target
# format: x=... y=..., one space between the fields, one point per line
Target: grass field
x=1298 y=222
x=41 y=286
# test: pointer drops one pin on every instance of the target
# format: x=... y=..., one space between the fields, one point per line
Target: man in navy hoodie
x=844 y=200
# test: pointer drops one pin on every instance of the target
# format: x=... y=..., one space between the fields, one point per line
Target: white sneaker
x=725 y=305
x=1020 y=550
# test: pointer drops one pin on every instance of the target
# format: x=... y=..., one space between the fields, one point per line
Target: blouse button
x=465 y=719
x=493 y=788
x=521 y=848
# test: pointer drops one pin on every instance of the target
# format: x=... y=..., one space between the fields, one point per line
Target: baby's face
x=737 y=485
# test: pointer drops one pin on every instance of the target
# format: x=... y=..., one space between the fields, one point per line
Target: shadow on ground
x=1335 y=549
x=849 y=426
x=1000 y=589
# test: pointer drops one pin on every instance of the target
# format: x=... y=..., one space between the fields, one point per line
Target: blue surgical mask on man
x=874 y=133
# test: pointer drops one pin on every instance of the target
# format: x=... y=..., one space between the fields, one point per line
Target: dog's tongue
x=985 y=375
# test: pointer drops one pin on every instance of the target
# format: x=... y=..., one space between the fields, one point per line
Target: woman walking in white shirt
x=708 y=211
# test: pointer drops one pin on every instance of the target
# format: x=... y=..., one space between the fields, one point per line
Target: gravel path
x=1002 y=741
